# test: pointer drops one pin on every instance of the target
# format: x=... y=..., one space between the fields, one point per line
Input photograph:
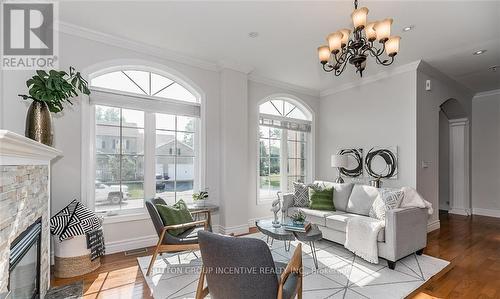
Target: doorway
x=454 y=163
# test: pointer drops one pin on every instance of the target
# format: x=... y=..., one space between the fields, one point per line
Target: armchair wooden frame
x=293 y=266
x=164 y=248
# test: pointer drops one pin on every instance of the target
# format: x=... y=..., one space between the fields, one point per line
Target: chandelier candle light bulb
x=356 y=48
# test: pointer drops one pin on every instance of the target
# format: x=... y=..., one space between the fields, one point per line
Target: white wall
x=257 y=92
x=428 y=102
x=444 y=162
x=486 y=154
x=379 y=113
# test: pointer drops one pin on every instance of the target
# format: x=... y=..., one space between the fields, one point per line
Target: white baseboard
x=237 y=230
x=431 y=226
x=458 y=211
x=486 y=212
x=129 y=244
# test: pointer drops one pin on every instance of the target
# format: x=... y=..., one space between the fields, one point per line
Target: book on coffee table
x=302 y=228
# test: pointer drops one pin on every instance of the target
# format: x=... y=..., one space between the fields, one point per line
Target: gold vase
x=39 y=123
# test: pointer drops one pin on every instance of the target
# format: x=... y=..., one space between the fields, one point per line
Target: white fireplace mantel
x=16 y=149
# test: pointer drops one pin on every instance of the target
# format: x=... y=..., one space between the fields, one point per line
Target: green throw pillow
x=175 y=214
x=321 y=199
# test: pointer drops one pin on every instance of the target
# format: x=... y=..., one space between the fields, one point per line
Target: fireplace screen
x=24 y=266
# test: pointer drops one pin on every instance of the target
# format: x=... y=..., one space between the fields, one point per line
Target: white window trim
x=310 y=148
x=130 y=101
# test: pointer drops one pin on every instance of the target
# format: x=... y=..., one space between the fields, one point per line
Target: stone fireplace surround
x=24 y=197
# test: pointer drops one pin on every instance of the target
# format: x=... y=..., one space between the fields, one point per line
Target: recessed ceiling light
x=253 y=34
x=408 y=28
x=479 y=52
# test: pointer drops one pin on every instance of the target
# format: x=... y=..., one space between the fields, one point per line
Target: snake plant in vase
x=49 y=91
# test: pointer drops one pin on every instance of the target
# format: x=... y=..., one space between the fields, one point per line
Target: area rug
x=70 y=291
x=341 y=274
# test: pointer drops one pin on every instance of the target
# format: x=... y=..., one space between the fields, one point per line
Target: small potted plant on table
x=298 y=218
x=200 y=198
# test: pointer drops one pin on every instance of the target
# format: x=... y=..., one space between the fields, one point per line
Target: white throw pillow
x=387 y=200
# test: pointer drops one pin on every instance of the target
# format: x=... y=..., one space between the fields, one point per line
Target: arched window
x=152 y=125
x=284 y=141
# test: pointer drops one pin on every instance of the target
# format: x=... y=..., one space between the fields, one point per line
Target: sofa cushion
x=314 y=216
x=387 y=200
x=339 y=222
x=321 y=198
x=341 y=193
x=361 y=199
x=301 y=192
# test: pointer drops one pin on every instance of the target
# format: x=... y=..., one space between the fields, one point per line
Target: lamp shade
x=392 y=45
x=359 y=17
x=324 y=54
x=345 y=36
x=339 y=161
x=371 y=34
x=334 y=41
x=383 y=30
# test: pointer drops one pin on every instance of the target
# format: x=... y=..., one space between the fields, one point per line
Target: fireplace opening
x=24 y=263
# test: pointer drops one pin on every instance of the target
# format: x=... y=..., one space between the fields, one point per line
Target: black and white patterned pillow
x=387 y=200
x=301 y=192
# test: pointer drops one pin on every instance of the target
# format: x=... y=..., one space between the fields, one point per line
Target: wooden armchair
x=186 y=241
x=251 y=271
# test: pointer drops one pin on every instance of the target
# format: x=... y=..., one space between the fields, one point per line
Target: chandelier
x=342 y=48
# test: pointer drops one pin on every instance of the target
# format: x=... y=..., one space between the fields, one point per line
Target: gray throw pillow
x=301 y=192
x=387 y=200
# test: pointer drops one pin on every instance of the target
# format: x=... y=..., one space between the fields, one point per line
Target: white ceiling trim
x=284 y=85
x=114 y=40
x=366 y=80
x=487 y=93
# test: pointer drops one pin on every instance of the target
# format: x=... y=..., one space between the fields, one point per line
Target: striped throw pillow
x=321 y=198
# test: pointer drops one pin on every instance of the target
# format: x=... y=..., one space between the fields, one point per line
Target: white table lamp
x=339 y=161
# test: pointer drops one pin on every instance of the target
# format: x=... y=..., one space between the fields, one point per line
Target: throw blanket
x=362 y=232
x=361 y=237
x=95 y=242
x=73 y=220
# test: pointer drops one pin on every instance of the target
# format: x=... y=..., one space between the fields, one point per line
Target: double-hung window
x=146 y=141
x=284 y=141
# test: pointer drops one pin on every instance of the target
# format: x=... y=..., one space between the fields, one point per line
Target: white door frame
x=459 y=167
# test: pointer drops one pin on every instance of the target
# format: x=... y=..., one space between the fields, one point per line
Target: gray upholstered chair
x=188 y=240
x=244 y=268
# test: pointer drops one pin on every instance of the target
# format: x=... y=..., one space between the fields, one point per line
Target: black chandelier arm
x=328 y=67
x=385 y=62
x=341 y=70
x=374 y=52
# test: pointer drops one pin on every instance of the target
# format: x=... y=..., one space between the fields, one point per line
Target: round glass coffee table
x=279 y=233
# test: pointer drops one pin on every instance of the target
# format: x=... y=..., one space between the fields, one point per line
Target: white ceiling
x=446 y=34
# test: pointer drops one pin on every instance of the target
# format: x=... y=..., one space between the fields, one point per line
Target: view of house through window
x=122 y=138
x=284 y=131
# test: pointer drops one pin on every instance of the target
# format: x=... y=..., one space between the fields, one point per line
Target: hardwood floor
x=472 y=244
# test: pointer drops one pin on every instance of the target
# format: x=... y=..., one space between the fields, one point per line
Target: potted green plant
x=199 y=198
x=298 y=218
x=49 y=91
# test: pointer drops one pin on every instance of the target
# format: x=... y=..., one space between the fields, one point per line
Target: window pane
x=132 y=118
x=140 y=78
x=158 y=83
x=264 y=132
x=132 y=141
x=177 y=92
x=107 y=140
x=165 y=142
x=268 y=108
x=296 y=167
x=185 y=144
x=296 y=135
x=264 y=167
x=264 y=148
x=132 y=168
x=274 y=166
x=296 y=150
x=185 y=178
x=297 y=114
x=274 y=133
x=107 y=115
x=165 y=178
x=274 y=148
x=107 y=168
x=186 y=123
x=116 y=81
x=165 y=121
x=278 y=105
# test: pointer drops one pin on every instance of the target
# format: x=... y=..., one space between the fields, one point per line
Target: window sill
x=125 y=218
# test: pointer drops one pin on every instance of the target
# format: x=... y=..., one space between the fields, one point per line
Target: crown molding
x=13 y=145
x=412 y=66
x=121 y=42
x=284 y=85
x=231 y=65
x=487 y=93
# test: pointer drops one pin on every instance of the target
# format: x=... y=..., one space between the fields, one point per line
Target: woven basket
x=66 y=267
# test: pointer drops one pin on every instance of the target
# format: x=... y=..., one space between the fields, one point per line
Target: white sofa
x=405 y=230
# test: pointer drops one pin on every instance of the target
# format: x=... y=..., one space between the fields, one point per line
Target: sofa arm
x=288 y=200
x=405 y=231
